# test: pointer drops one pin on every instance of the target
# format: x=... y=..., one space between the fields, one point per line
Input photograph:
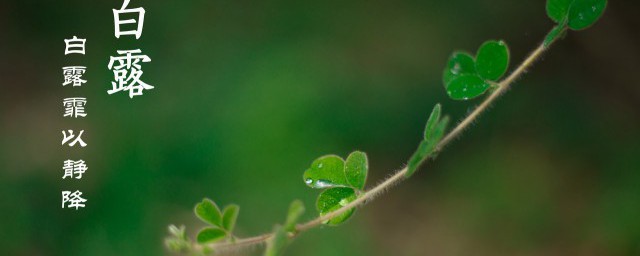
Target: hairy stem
x=399 y=176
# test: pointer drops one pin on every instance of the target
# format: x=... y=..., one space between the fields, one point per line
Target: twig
x=399 y=176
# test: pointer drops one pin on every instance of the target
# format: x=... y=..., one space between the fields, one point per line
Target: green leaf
x=492 y=60
x=333 y=199
x=208 y=235
x=440 y=130
x=558 y=9
x=177 y=241
x=177 y=232
x=296 y=209
x=356 y=168
x=277 y=243
x=467 y=87
x=460 y=63
x=427 y=146
x=433 y=121
x=209 y=212
x=580 y=14
x=326 y=172
x=229 y=217
x=584 y=13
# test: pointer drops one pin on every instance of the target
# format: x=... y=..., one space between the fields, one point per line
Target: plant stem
x=399 y=176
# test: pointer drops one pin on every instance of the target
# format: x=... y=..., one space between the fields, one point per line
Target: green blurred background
x=248 y=93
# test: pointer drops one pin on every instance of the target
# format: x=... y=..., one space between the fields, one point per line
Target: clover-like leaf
x=210 y=234
x=467 y=87
x=296 y=209
x=209 y=212
x=427 y=147
x=432 y=135
x=460 y=63
x=229 y=217
x=492 y=60
x=277 y=243
x=584 y=13
x=333 y=199
x=579 y=14
x=466 y=78
x=434 y=118
x=326 y=172
x=356 y=168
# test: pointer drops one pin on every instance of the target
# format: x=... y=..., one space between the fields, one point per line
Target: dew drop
x=322 y=184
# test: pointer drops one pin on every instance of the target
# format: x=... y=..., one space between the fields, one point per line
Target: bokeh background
x=248 y=93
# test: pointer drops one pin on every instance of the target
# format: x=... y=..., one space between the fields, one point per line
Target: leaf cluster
x=343 y=181
x=220 y=223
x=574 y=14
x=466 y=77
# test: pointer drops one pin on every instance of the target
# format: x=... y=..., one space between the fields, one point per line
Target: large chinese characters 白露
x=126 y=67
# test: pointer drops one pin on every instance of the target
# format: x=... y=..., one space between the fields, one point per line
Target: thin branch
x=241 y=243
x=399 y=176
